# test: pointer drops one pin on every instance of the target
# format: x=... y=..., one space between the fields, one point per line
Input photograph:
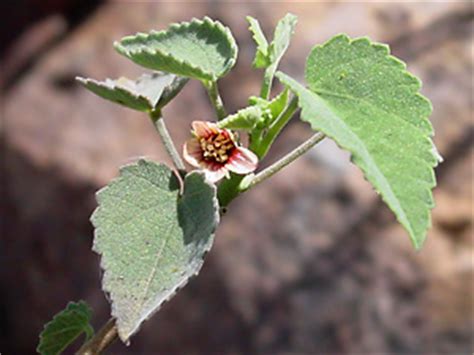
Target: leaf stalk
x=166 y=139
x=101 y=340
x=216 y=100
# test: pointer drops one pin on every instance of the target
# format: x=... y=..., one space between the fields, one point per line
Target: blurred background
x=310 y=262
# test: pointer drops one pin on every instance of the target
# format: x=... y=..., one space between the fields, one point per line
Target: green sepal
x=245 y=119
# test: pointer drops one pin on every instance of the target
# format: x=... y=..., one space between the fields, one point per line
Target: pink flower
x=216 y=151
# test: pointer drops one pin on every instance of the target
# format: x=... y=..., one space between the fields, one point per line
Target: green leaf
x=282 y=37
x=244 y=119
x=65 y=327
x=148 y=92
x=200 y=49
x=366 y=101
x=273 y=108
x=151 y=237
x=262 y=59
x=270 y=55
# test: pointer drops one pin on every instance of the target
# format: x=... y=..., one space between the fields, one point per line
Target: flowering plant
x=154 y=224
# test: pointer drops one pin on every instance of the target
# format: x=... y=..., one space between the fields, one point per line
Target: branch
x=286 y=160
x=102 y=339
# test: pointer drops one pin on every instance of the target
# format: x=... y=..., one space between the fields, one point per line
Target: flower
x=216 y=151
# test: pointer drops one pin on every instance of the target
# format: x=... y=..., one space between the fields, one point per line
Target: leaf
x=270 y=55
x=366 y=101
x=152 y=239
x=148 y=92
x=282 y=37
x=262 y=59
x=65 y=327
x=244 y=119
x=200 y=49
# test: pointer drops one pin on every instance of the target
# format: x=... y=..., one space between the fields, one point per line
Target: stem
x=102 y=339
x=228 y=190
x=160 y=126
x=231 y=188
x=286 y=160
x=267 y=82
x=275 y=128
x=215 y=97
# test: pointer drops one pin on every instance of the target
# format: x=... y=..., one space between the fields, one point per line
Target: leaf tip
x=418 y=242
x=120 y=48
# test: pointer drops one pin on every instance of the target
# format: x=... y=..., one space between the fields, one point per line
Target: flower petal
x=217 y=174
x=192 y=152
x=204 y=129
x=242 y=161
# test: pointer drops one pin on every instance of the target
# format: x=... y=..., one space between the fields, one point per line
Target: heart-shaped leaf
x=148 y=92
x=200 y=49
x=152 y=238
x=65 y=327
x=366 y=101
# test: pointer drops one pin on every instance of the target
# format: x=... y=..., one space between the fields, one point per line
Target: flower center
x=217 y=148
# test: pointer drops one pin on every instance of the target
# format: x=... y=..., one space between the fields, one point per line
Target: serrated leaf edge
x=431 y=164
x=70 y=307
x=114 y=85
x=402 y=66
x=427 y=135
x=292 y=21
x=186 y=25
x=126 y=337
x=256 y=30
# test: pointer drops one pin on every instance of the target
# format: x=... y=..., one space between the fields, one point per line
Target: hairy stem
x=101 y=340
x=167 y=141
x=215 y=97
x=276 y=127
x=286 y=160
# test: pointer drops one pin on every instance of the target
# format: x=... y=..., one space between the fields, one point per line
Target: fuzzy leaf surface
x=271 y=108
x=270 y=54
x=282 y=37
x=200 y=49
x=365 y=100
x=148 y=92
x=65 y=327
x=244 y=119
x=152 y=239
